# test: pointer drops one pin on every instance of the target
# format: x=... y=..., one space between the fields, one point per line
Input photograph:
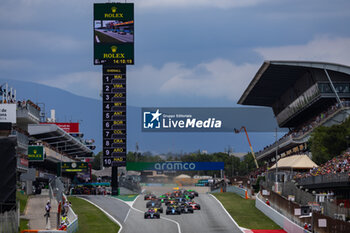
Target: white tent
x=295 y=162
x=183 y=176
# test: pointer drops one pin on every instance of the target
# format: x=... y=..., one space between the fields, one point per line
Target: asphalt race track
x=211 y=217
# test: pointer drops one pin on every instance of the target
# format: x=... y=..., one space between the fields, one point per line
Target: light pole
x=276 y=178
x=233 y=168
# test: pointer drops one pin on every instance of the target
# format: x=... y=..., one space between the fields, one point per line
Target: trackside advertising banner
x=174 y=166
x=69 y=127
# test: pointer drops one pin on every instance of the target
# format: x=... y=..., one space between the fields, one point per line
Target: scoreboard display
x=113 y=33
x=114 y=115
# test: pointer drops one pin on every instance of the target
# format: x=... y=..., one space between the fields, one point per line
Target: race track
x=211 y=217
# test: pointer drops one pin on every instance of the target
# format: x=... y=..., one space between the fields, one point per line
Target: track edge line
x=227 y=212
x=105 y=212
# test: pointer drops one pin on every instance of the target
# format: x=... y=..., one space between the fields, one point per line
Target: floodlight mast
x=250 y=145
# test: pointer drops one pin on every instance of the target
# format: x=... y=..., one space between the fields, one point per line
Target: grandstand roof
x=57 y=137
x=275 y=77
x=295 y=162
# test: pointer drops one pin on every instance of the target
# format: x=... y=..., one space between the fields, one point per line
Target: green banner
x=75 y=167
x=35 y=153
x=114 y=11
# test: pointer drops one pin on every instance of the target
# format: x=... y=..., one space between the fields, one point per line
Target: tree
x=247 y=164
x=328 y=142
x=96 y=164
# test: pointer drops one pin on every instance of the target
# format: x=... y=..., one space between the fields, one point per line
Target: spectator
x=47 y=209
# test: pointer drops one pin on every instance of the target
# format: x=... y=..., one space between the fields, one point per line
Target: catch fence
x=9 y=218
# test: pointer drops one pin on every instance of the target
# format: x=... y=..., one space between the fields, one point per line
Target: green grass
x=91 y=219
x=244 y=212
x=22 y=200
x=23 y=224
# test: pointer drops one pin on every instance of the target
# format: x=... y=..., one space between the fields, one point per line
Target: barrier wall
x=233 y=189
x=72 y=219
x=278 y=218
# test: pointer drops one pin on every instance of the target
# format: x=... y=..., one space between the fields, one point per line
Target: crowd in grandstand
x=311 y=124
x=260 y=171
x=337 y=165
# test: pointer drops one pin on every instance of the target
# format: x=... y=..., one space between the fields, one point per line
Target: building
x=59 y=142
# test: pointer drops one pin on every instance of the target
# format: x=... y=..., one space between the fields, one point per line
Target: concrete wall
x=278 y=218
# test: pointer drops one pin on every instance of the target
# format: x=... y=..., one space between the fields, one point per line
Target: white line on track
x=127 y=215
x=108 y=215
x=227 y=212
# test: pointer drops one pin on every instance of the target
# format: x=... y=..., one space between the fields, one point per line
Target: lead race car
x=152 y=213
x=192 y=192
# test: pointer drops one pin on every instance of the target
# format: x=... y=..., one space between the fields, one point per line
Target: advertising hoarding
x=69 y=127
x=113 y=33
x=75 y=167
x=8 y=113
x=35 y=153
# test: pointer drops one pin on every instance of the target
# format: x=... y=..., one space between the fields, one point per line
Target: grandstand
x=302 y=95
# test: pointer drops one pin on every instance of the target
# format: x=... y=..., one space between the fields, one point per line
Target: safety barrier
x=57 y=191
x=72 y=219
x=278 y=218
x=233 y=189
x=9 y=218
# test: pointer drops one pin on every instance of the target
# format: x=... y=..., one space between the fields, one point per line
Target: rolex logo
x=114 y=49
x=114 y=9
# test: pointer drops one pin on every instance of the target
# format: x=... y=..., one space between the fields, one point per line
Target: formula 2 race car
x=194 y=205
x=150 y=196
x=173 y=209
x=186 y=209
x=153 y=203
x=193 y=192
x=151 y=213
x=158 y=209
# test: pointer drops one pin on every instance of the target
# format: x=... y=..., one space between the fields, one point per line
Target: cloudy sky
x=187 y=52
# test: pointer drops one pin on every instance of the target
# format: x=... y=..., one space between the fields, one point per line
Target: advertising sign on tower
x=113 y=33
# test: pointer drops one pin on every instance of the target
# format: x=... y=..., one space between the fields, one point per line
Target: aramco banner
x=174 y=166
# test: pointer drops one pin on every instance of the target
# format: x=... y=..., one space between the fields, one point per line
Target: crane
x=250 y=145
